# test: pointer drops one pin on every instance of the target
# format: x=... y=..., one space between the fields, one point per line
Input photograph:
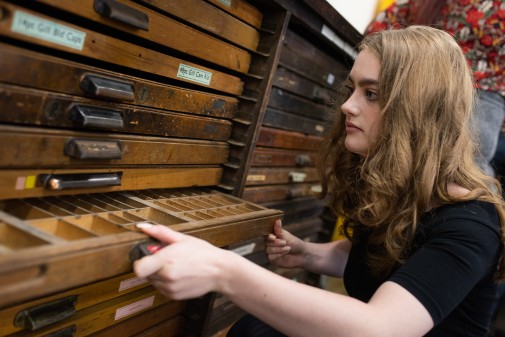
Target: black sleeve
x=458 y=252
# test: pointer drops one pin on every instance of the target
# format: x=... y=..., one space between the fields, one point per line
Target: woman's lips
x=350 y=127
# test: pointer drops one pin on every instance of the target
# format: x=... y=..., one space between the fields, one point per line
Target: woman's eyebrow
x=363 y=81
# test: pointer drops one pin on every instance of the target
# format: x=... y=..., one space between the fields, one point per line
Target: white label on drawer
x=226 y=2
x=194 y=74
x=319 y=128
x=134 y=307
x=256 y=177
x=130 y=283
x=316 y=188
x=34 y=26
x=297 y=177
x=330 y=79
x=244 y=250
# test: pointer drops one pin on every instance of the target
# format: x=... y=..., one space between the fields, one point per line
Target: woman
x=426 y=241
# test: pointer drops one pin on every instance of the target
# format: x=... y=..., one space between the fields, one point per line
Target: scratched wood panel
x=270 y=193
x=211 y=19
x=166 y=32
x=44 y=108
x=20 y=23
x=31 y=69
x=286 y=101
x=40 y=147
x=286 y=120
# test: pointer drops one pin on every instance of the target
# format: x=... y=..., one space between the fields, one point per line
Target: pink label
x=130 y=309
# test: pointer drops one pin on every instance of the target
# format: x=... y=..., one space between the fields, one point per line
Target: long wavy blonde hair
x=426 y=95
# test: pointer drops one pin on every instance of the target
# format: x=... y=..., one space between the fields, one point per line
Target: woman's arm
x=189 y=267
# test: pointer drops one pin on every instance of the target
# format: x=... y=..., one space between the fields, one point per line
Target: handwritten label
x=134 y=307
x=130 y=283
x=39 y=28
x=194 y=74
x=319 y=128
x=330 y=79
x=297 y=177
x=226 y=2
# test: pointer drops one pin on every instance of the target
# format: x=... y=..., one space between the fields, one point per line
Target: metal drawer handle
x=302 y=160
x=78 y=180
x=100 y=86
x=122 y=13
x=45 y=314
x=88 y=116
x=92 y=149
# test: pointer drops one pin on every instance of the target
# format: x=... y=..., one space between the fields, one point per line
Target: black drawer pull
x=88 y=116
x=302 y=160
x=122 y=13
x=92 y=149
x=108 y=88
x=45 y=314
x=79 y=180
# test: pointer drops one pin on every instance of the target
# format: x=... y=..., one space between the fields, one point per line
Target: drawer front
x=265 y=176
x=38 y=148
x=270 y=137
x=263 y=156
x=287 y=120
x=37 y=107
x=34 y=315
x=52 y=244
x=293 y=82
x=263 y=194
x=211 y=19
x=282 y=100
x=19 y=23
x=142 y=22
x=31 y=69
x=106 y=314
x=37 y=183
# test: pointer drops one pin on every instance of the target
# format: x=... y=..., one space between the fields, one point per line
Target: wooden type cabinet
x=115 y=112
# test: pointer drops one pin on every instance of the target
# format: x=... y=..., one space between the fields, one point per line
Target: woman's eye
x=371 y=95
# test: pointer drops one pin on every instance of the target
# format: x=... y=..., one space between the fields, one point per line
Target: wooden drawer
x=31 y=147
x=105 y=314
x=213 y=20
x=38 y=107
x=37 y=314
x=263 y=156
x=266 y=176
x=19 y=23
x=56 y=243
x=286 y=101
x=25 y=183
x=270 y=137
x=24 y=67
x=152 y=26
x=152 y=323
x=297 y=84
x=263 y=194
x=288 y=121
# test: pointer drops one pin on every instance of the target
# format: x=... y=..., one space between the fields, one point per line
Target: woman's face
x=361 y=110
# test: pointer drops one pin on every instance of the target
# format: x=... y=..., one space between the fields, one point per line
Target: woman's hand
x=284 y=249
x=186 y=268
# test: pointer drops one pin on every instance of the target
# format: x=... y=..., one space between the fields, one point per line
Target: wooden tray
x=52 y=244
